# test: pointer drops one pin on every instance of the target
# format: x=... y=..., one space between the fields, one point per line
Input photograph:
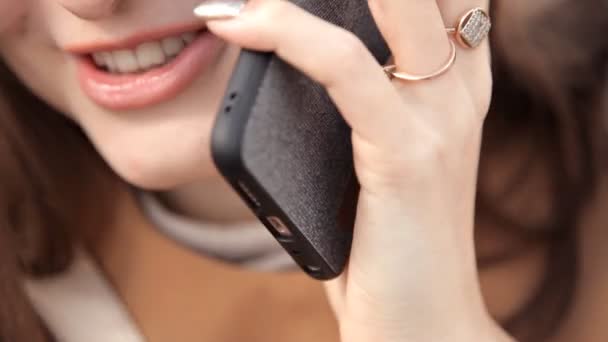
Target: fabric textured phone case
x=294 y=125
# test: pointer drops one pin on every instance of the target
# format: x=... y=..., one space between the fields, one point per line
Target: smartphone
x=285 y=149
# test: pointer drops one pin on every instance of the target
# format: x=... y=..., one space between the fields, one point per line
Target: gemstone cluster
x=475 y=28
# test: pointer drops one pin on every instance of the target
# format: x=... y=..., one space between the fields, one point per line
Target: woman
x=73 y=148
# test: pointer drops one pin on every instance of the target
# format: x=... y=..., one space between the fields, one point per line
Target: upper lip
x=133 y=40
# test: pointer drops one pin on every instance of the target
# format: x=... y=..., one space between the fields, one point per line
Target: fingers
x=415 y=32
x=452 y=10
x=328 y=54
x=474 y=65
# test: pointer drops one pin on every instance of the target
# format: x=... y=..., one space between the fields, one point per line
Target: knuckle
x=347 y=43
x=275 y=9
x=425 y=160
x=432 y=152
x=422 y=158
x=347 y=52
x=269 y=11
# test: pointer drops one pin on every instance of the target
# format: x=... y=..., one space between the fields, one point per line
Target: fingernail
x=219 y=9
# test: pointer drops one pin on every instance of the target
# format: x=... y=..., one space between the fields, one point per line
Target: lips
x=144 y=70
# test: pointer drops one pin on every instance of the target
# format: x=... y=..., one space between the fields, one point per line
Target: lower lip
x=133 y=91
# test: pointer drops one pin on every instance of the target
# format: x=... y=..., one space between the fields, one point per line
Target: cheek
x=12 y=12
x=29 y=58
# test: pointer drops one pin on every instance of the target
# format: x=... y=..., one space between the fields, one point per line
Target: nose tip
x=90 y=9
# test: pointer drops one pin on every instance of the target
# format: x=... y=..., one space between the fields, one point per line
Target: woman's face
x=137 y=75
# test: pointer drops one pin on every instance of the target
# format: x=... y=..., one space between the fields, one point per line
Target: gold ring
x=391 y=70
x=472 y=29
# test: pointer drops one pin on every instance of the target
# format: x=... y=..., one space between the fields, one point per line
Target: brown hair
x=549 y=79
x=48 y=171
x=548 y=106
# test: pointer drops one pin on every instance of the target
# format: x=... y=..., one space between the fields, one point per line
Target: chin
x=159 y=148
x=161 y=167
x=163 y=173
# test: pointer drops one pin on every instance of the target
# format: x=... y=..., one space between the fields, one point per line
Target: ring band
x=472 y=29
x=391 y=70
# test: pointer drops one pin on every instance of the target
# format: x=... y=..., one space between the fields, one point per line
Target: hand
x=412 y=274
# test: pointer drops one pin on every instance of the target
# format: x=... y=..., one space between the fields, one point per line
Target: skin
x=416 y=160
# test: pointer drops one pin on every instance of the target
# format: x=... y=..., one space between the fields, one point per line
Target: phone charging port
x=279 y=226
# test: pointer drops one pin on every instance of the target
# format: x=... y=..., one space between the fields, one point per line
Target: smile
x=145 y=69
x=144 y=57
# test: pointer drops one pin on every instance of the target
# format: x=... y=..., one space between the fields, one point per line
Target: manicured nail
x=219 y=9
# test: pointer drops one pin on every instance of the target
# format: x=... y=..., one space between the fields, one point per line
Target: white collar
x=80 y=305
x=248 y=244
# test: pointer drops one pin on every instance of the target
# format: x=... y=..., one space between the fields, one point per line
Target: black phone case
x=282 y=145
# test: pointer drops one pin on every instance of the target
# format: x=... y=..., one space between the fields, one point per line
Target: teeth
x=109 y=59
x=149 y=55
x=99 y=59
x=189 y=37
x=172 y=46
x=125 y=61
x=145 y=56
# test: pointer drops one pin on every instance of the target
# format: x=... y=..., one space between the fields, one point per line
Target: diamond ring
x=472 y=29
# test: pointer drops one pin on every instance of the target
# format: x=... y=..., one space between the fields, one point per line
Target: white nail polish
x=219 y=9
